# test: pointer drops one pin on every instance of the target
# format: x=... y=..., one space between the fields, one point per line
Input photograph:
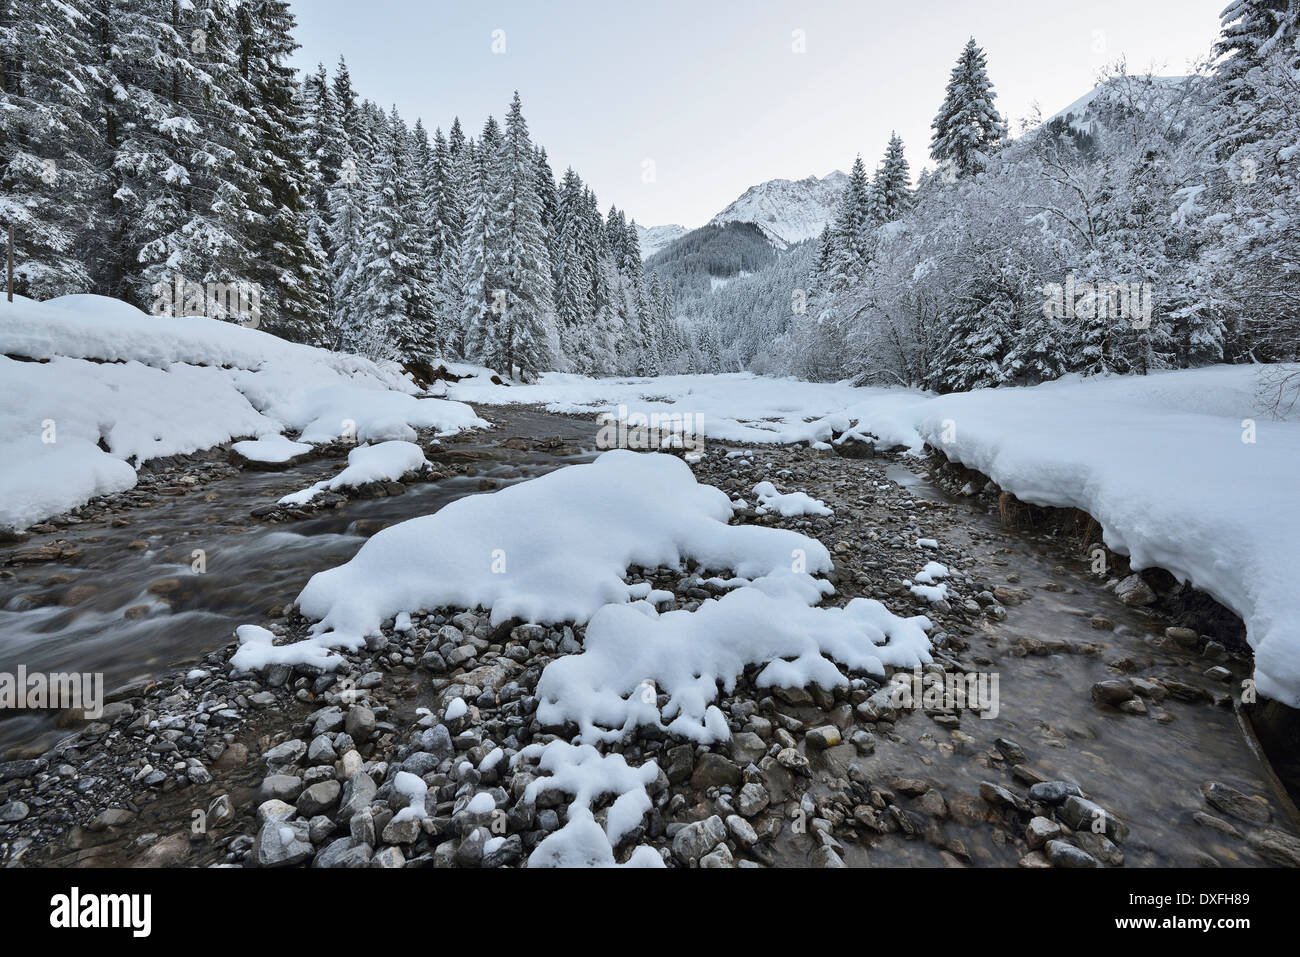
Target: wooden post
x=11 y=262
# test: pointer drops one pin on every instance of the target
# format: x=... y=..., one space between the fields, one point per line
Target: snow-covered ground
x=1185 y=470
x=111 y=387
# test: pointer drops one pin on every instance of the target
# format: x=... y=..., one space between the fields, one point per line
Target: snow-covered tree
x=968 y=127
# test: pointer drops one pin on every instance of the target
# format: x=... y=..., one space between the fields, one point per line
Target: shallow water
x=72 y=616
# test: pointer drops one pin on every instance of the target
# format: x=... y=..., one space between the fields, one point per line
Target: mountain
x=787 y=211
x=655 y=238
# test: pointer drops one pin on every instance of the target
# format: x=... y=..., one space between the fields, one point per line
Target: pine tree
x=528 y=327
x=481 y=256
x=50 y=143
x=895 y=182
x=289 y=266
x=851 y=232
x=968 y=127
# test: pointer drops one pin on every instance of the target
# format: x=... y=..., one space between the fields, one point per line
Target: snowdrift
x=91 y=387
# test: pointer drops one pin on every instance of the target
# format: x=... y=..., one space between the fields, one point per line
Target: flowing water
x=131 y=607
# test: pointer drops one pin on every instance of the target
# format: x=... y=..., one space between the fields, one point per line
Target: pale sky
x=714 y=93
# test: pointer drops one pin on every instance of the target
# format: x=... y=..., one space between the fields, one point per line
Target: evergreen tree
x=895 y=182
x=968 y=127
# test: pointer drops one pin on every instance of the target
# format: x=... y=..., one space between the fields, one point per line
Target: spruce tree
x=968 y=127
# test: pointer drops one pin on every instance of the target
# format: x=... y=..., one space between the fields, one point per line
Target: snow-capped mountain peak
x=788 y=211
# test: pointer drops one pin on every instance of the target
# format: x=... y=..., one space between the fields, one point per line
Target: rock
x=825 y=856
x=389 y=858
x=1035 y=860
x=681 y=763
x=360 y=723
x=505 y=852
x=1040 y=831
x=319 y=798
x=753 y=799
x=696 y=840
x=1080 y=814
x=358 y=791
x=741 y=831
x=747 y=748
x=1133 y=591
x=827 y=736
x=864 y=741
x=1216 y=823
x=13 y=770
x=1063 y=854
x=274 y=810
x=1187 y=637
x=13 y=812
x=932 y=803
x=281 y=844
x=719 y=858
x=715 y=770
x=282 y=787
x=1276 y=846
x=792 y=760
x=795 y=697
x=999 y=796
x=342 y=853
x=403 y=831
x=117 y=816
x=1112 y=692
x=321 y=750
x=286 y=754
x=1010 y=750
x=1053 y=792
x=170 y=851
x=1230 y=801
x=1218 y=673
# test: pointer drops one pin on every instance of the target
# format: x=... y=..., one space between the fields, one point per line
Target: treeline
x=146 y=141
x=1161 y=233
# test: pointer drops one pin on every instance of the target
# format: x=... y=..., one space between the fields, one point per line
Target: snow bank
x=109 y=377
x=1179 y=468
x=387 y=461
x=553 y=549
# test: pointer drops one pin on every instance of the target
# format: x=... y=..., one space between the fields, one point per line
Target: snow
x=499 y=551
x=457 y=708
x=651 y=239
x=1158 y=460
x=271 y=448
x=108 y=376
x=387 y=461
x=788 y=505
x=788 y=211
x=585 y=773
x=630 y=656
x=413 y=788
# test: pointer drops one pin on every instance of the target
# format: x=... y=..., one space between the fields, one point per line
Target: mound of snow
x=549 y=550
x=387 y=461
x=789 y=504
x=271 y=448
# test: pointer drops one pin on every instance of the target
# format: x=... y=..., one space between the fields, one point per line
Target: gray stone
x=753 y=799
x=282 y=787
x=342 y=853
x=358 y=791
x=715 y=770
x=1053 y=792
x=286 y=754
x=1233 y=802
x=827 y=736
x=1133 y=591
x=360 y=723
x=319 y=798
x=1063 y=854
x=282 y=844
x=694 y=841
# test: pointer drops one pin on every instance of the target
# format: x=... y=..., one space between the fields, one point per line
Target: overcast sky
x=715 y=93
